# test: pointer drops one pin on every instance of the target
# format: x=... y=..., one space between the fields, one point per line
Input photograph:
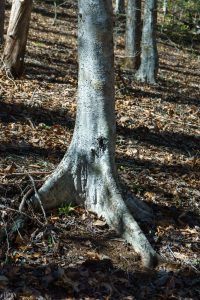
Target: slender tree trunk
x=133 y=34
x=119 y=6
x=149 y=56
x=87 y=173
x=2 y=17
x=165 y=10
x=17 y=37
x=165 y=5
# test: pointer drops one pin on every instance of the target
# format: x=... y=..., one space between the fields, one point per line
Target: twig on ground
x=8 y=75
x=25 y=173
x=3 y=207
x=38 y=197
x=32 y=96
x=21 y=206
x=31 y=123
x=171 y=252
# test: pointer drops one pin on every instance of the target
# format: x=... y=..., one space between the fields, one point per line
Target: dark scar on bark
x=102 y=143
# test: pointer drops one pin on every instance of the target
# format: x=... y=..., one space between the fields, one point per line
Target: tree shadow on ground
x=180 y=70
x=44 y=60
x=180 y=142
x=25 y=149
x=50 y=69
x=61 y=46
x=177 y=39
x=45 y=72
x=98 y=279
x=43 y=29
x=170 y=213
x=64 y=15
x=177 y=169
x=15 y=112
x=171 y=89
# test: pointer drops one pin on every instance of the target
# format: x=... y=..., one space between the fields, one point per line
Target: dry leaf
x=10 y=169
x=93 y=255
x=100 y=223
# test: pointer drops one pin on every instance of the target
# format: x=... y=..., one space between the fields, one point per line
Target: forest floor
x=76 y=256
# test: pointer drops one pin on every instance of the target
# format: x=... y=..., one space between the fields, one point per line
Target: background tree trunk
x=16 y=39
x=87 y=172
x=2 y=17
x=133 y=34
x=119 y=7
x=149 y=55
x=164 y=8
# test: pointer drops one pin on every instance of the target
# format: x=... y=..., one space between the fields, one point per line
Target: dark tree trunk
x=119 y=6
x=16 y=39
x=87 y=173
x=149 y=56
x=133 y=34
x=2 y=17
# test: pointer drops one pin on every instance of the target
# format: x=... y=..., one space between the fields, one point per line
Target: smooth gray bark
x=2 y=18
x=133 y=34
x=149 y=55
x=165 y=5
x=119 y=6
x=87 y=174
x=16 y=39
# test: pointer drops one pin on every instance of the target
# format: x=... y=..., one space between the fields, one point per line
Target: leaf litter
x=75 y=255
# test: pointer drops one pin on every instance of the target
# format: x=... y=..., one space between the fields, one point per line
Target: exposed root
x=120 y=218
x=102 y=196
x=140 y=211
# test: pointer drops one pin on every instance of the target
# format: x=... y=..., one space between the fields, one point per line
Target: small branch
x=21 y=206
x=38 y=197
x=61 y=4
x=25 y=173
x=3 y=207
x=8 y=75
x=31 y=123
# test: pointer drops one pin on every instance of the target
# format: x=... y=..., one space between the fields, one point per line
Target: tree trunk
x=165 y=4
x=133 y=34
x=2 y=17
x=149 y=56
x=17 y=37
x=119 y=7
x=87 y=174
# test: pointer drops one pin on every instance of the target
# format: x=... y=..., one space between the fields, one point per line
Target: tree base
x=131 y=63
x=95 y=187
x=144 y=77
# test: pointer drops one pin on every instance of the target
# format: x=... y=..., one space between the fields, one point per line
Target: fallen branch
x=38 y=197
x=25 y=173
x=3 y=207
x=21 y=206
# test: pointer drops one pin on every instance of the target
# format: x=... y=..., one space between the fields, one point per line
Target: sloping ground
x=76 y=256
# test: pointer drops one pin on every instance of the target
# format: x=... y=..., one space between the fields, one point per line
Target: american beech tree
x=2 y=17
x=119 y=6
x=133 y=34
x=87 y=174
x=16 y=39
x=149 y=55
x=165 y=4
